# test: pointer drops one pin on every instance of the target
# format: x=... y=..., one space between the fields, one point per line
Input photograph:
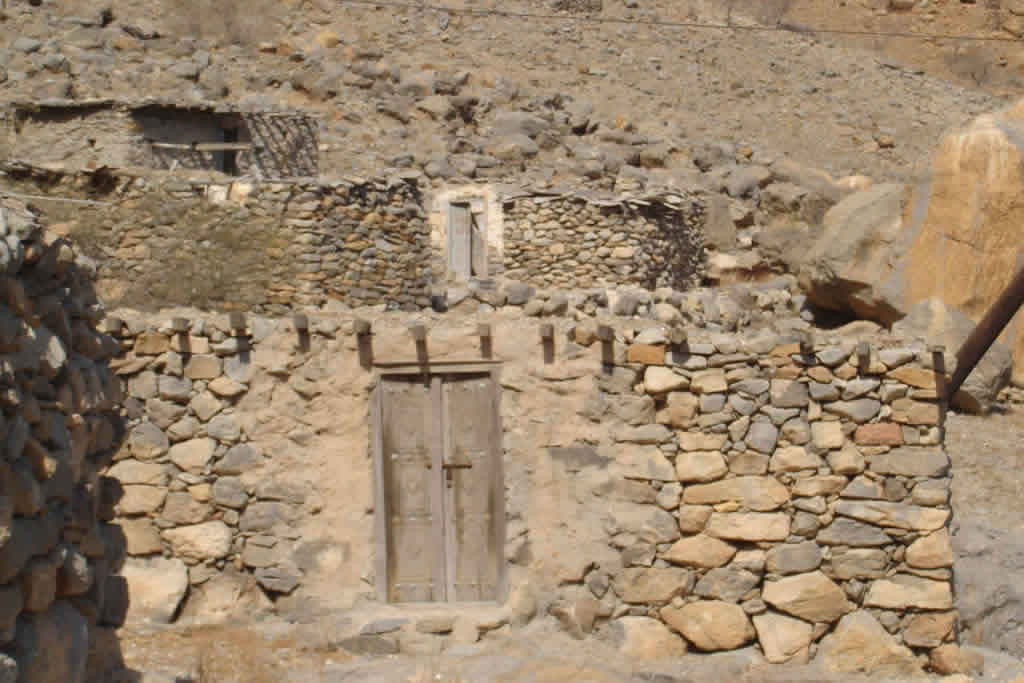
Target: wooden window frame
x=381 y=511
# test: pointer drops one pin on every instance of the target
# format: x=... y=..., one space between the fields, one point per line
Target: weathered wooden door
x=460 y=241
x=415 y=562
x=439 y=466
x=467 y=240
x=471 y=492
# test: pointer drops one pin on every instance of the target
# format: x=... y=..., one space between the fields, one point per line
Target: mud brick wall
x=58 y=402
x=570 y=242
x=779 y=491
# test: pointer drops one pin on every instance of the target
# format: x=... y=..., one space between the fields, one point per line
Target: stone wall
x=572 y=242
x=268 y=247
x=732 y=490
x=186 y=239
x=59 y=418
x=781 y=490
x=80 y=135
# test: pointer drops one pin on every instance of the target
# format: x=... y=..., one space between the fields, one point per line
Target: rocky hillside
x=572 y=91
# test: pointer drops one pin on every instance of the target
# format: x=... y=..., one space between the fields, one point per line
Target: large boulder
x=965 y=214
x=951 y=234
x=850 y=266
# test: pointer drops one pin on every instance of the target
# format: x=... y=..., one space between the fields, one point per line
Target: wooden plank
x=411 y=367
x=380 y=498
x=498 y=485
x=408 y=472
x=459 y=240
x=470 y=516
x=478 y=245
x=204 y=146
x=437 y=486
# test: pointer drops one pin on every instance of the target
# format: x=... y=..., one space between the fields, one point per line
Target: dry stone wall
x=780 y=490
x=571 y=242
x=265 y=247
x=58 y=559
x=736 y=489
x=270 y=247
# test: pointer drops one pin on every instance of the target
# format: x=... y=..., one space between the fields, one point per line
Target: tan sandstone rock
x=700 y=551
x=860 y=644
x=646 y=638
x=811 y=596
x=711 y=624
x=783 y=638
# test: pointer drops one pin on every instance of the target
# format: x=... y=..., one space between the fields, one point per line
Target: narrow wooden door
x=441 y=485
x=460 y=241
x=411 y=483
x=472 y=491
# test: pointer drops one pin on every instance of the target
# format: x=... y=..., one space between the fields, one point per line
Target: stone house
x=88 y=134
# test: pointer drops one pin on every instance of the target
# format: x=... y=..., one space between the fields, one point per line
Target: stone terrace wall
x=729 y=491
x=60 y=425
x=264 y=247
x=572 y=242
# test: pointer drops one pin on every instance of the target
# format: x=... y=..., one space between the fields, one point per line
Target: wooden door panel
x=471 y=502
x=478 y=245
x=414 y=559
x=459 y=250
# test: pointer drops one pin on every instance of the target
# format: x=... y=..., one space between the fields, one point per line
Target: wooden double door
x=440 y=510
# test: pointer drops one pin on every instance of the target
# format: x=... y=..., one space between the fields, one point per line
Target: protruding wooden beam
x=605 y=333
x=361 y=328
x=547 y=331
x=236 y=320
x=678 y=336
x=418 y=332
x=113 y=326
x=483 y=330
x=301 y=322
x=180 y=325
x=863 y=357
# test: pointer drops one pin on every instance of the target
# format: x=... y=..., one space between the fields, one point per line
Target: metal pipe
x=986 y=331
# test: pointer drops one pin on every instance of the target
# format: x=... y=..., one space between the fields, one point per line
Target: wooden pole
x=985 y=332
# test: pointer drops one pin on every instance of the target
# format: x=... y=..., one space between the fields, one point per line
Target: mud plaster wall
x=737 y=479
x=78 y=137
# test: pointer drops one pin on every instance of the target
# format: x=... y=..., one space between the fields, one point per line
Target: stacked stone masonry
x=59 y=400
x=274 y=247
x=781 y=490
x=757 y=490
x=264 y=247
x=570 y=242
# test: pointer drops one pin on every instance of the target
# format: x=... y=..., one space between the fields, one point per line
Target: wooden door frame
x=384 y=370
